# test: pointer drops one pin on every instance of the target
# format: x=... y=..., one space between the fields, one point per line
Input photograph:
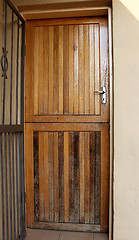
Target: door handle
x=103 y=96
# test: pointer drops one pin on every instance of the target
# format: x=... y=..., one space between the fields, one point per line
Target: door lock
x=103 y=96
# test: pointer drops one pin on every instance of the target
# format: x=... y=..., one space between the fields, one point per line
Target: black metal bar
x=2 y=193
x=10 y=186
x=12 y=182
x=11 y=70
x=17 y=72
x=15 y=11
x=11 y=128
x=17 y=198
x=20 y=184
x=22 y=72
x=13 y=175
x=4 y=77
x=6 y=191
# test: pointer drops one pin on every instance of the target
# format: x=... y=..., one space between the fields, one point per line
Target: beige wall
x=126 y=120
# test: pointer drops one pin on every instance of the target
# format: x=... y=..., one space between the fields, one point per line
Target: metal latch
x=103 y=96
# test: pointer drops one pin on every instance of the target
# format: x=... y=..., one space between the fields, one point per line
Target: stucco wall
x=126 y=119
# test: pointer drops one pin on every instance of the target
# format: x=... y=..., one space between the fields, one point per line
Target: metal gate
x=12 y=197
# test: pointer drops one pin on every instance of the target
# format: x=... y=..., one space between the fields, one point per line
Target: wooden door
x=67 y=126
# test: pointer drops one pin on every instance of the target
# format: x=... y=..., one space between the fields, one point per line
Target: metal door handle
x=103 y=96
x=101 y=92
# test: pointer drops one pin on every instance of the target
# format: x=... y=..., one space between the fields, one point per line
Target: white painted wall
x=126 y=119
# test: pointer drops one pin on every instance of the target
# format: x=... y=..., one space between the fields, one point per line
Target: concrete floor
x=33 y=234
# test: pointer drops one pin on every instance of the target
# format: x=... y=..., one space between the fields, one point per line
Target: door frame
x=90 y=11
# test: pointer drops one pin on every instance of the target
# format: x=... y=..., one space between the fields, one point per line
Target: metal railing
x=12 y=194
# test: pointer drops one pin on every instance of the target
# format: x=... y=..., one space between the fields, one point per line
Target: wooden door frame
x=90 y=11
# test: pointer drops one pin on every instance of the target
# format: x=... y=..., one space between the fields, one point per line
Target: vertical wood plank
x=71 y=96
x=46 y=177
x=66 y=68
x=76 y=90
x=104 y=179
x=36 y=70
x=45 y=71
x=97 y=177
x=51 y=175
x=56 y=70
x=82 y=177
x=56 y=177
x=30 y=73
x=92 y=68
x=51 y=62
x=61 y=175
x=87 y=70
x=66 y=176
x=92 y=175
x=40 y=77
x=87 y=175
x=36 y=174
x=29 y=175
x=97 y=70
x=71 y=177
x=41 y=176
x=81 y=70
x=60 y=69
x=76 y=177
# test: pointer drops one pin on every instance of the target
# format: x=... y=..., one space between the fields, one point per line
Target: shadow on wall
x=126 y=118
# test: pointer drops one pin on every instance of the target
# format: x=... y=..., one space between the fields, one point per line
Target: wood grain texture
x=69 y=187
x=41 y=177
x=71 y=73
x=75 y=71
x=71 y=60
x=51 y=175
x=56 y=178
x=97 y=70
x=66 y=176
x=46 y=178
x=82 y=176
x=68 y=69
x=51 y=79
x=46 y=70
x=61 y=70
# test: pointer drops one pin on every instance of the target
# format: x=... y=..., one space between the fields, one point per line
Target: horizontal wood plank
x=66 y=226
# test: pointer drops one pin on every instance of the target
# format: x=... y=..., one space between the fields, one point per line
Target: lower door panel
x=67 y=175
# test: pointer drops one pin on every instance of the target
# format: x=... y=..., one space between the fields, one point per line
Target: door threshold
x=35 y=234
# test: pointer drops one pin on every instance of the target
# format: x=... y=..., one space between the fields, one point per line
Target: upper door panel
x=66 y=63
